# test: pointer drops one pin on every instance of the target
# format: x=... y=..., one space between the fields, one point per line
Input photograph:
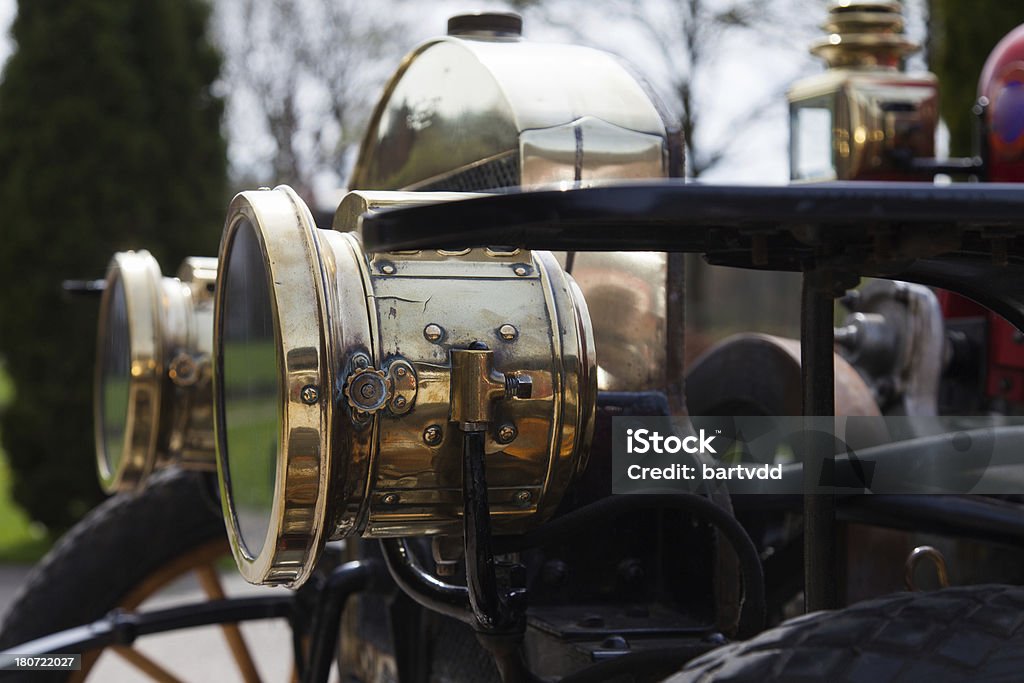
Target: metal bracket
x=369 y=390
x=475 y=385
x=404 y=384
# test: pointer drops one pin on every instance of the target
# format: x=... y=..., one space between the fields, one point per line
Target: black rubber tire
x=96 y=564
x=968 y=633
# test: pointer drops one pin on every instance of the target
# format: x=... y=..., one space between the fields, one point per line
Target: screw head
x=508 y=332
x=432 y=332
x=184 y=371
x=310 y=394
x=361 y=361
x=506 y=433
x=401 y=372
x=432 y=435
x=387 y=268
x=399 y=401
x=390 y=499
x=368 y=390
x=520 y=270
x=522 y=497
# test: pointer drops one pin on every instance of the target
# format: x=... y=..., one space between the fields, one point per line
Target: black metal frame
x=967 y=238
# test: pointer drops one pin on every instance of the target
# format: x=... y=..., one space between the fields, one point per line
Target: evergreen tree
x=961 y=36
x=109 y=139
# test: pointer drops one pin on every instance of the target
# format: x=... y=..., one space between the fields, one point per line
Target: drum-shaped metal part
x=334 y=391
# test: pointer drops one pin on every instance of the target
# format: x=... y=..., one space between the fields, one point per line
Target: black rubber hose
x=567 y=527
x=346 y=580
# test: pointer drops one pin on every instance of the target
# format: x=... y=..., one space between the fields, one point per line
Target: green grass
x=20 y=540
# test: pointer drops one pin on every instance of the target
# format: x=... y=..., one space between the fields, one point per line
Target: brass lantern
x=865 y=118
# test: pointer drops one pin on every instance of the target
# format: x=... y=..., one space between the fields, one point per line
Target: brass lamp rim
x=138 y=273
x=288 y=244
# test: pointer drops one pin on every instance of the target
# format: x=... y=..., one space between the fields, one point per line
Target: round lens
x=249 y=388
x=114 y=376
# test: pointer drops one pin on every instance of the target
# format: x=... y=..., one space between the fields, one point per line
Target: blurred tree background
x=110 y=139
x=960 y=37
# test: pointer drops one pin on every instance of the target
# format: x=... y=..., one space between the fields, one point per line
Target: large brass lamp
x=339 y=398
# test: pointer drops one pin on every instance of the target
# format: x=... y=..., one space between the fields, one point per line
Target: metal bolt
x=520 y=270
x=508 y=332
x=520 y=386
x=401 y=372
x=506 y=433
x=432 y=332
x=368 y=390
x=446 y=568
x=631 y=570
x=183 y=370
x=310 y=394
x=387 y=268
x=399 y=402
x=522 y=497
x=432 y=435
x=389 y=499
x=715 y=639
x=361 y=361
x=554 y=572
x=615 y=642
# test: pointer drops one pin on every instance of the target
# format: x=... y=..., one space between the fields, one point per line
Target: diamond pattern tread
x=967 y=633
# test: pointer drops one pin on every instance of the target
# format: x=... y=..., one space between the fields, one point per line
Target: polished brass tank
x=484 y=110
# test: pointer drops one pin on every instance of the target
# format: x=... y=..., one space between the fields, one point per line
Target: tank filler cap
x=486 y=25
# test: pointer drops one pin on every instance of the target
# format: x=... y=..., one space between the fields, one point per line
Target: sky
x=7 y=11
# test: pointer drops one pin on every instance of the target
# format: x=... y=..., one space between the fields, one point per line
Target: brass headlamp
x=152 y=402
x=335 y=405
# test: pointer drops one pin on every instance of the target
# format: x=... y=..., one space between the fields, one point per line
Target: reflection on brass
x=471 y=114
x=915 y=557
x=152 y=370
x=376 y=457
x=865 y=118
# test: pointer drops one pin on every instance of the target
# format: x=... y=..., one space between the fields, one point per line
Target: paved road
x=193 y=655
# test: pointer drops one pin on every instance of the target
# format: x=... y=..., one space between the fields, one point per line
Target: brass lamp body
x=865 y=118
x=168 y=416
x=369 y=420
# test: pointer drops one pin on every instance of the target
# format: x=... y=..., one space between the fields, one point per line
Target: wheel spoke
x=89 y=658
x=210 y=582
x=145 y=664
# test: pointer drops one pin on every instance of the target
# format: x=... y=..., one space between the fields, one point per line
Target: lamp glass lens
x=250 y=388
x=115 y=375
